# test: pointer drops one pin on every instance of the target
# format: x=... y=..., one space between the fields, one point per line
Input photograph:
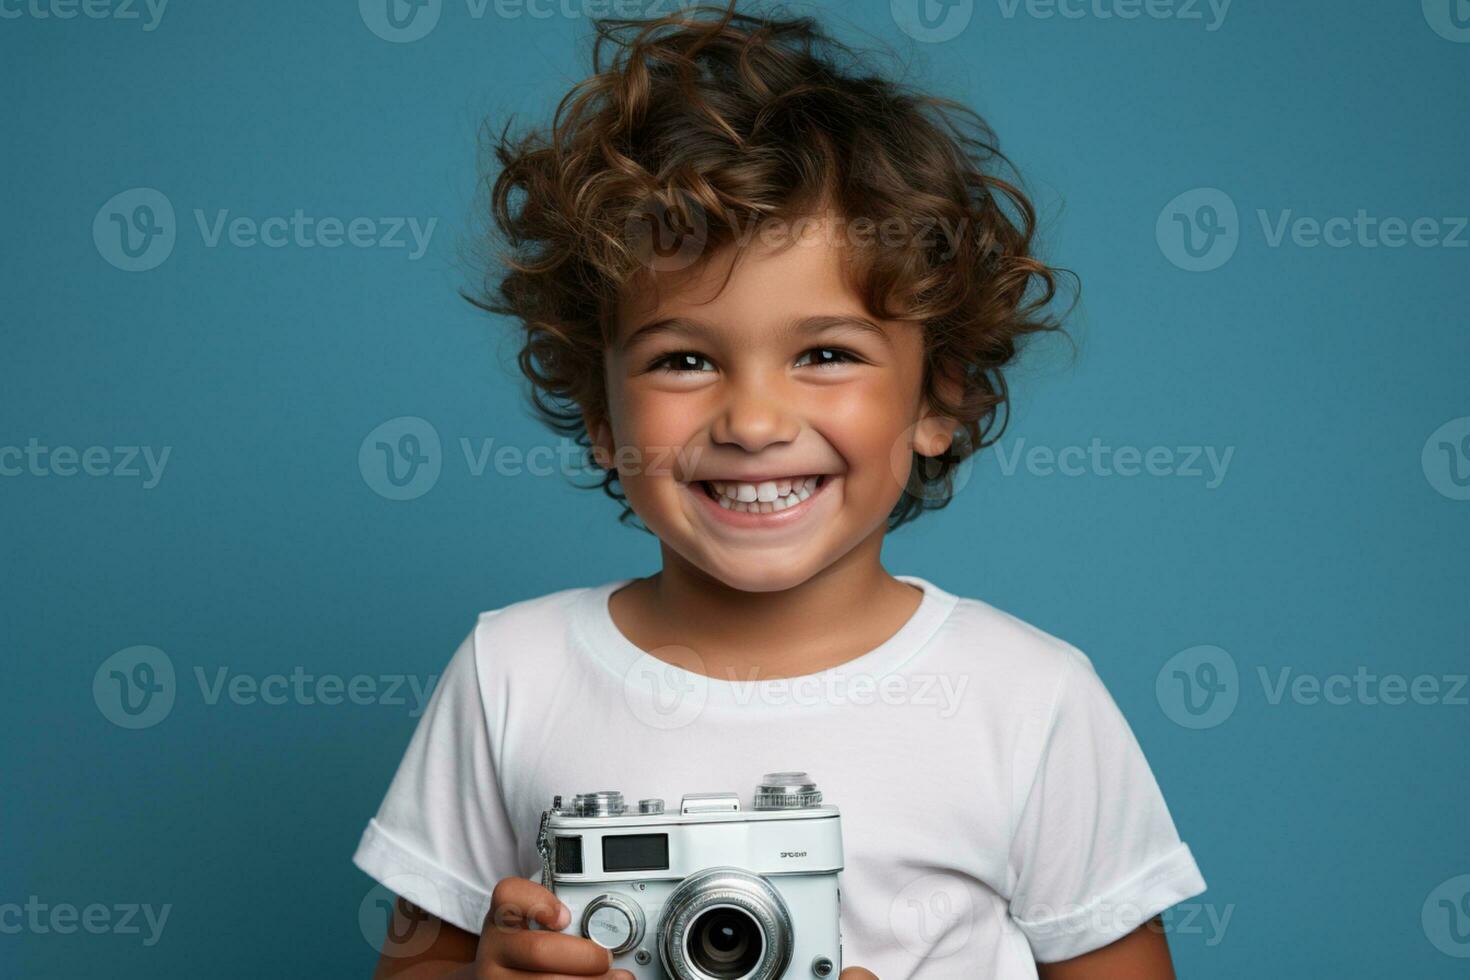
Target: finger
x=553 y=952
x=515 y=902
x=857 y=973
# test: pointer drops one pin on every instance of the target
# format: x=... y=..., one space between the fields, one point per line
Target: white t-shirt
x=996 y=808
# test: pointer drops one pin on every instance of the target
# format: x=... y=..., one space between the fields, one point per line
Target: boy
x=770 y=401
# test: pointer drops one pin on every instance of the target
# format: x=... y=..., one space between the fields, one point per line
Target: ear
x=600 y=438
x=935 y=433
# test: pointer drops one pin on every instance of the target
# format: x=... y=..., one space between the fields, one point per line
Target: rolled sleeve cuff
x=1069 y=930
x=419 y=880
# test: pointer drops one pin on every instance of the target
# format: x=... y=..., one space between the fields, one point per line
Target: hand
x=510 y=948
x=856 y=973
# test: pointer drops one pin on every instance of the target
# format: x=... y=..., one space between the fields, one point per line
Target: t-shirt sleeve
x=441 y=838
x=1095 y=853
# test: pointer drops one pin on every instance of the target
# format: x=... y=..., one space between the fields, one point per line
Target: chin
x=755 y=576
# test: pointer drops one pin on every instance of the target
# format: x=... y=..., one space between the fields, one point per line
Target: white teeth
x=766 y=497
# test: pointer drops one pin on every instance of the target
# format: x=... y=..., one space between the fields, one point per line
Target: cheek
x=650 y=428
x=865 y=423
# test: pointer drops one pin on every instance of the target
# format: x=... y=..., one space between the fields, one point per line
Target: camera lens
x=725 y=923
x=725 y=943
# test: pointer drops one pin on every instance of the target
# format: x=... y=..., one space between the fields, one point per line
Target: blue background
x=1322 y=829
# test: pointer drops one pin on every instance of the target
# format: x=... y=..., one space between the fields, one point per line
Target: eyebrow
x=806 y=325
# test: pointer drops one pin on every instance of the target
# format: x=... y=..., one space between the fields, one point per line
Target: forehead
x=756 y=285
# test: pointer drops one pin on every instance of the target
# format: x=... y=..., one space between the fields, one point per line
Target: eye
x=679 y=362
x=688 y=361
x=840 y=356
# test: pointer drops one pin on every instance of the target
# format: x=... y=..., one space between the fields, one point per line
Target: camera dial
x=603 y=803
x=786 y=791
x=613 y=922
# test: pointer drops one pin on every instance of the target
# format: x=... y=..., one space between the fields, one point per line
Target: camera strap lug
x=544 y=846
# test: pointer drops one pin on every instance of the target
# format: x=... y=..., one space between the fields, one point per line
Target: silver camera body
x=712 y=892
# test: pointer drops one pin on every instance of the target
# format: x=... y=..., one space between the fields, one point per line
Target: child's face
x=742 y=392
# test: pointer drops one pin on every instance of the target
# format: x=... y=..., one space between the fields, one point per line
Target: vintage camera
x=712 y=892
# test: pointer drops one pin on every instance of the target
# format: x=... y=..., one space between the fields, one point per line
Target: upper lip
x=760 y=478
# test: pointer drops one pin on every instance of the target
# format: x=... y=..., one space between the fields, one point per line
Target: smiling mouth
x=745 y=498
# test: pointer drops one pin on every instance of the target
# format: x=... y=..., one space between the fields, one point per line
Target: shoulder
x=1023 y=663
x=523 y=646
x=528 y=635
x=533 y=613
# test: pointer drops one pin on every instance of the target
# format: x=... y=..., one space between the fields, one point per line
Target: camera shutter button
x=613 y=922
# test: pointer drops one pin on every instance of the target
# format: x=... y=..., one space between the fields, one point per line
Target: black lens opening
x=725 y=943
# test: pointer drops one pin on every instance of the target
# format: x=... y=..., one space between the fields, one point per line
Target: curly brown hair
x=710 y=118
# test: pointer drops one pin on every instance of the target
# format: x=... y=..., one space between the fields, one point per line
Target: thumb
x=857 y=973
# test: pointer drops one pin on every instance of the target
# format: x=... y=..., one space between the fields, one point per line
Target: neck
x=809 y=627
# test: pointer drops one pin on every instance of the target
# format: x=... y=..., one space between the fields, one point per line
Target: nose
x=755 y=414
